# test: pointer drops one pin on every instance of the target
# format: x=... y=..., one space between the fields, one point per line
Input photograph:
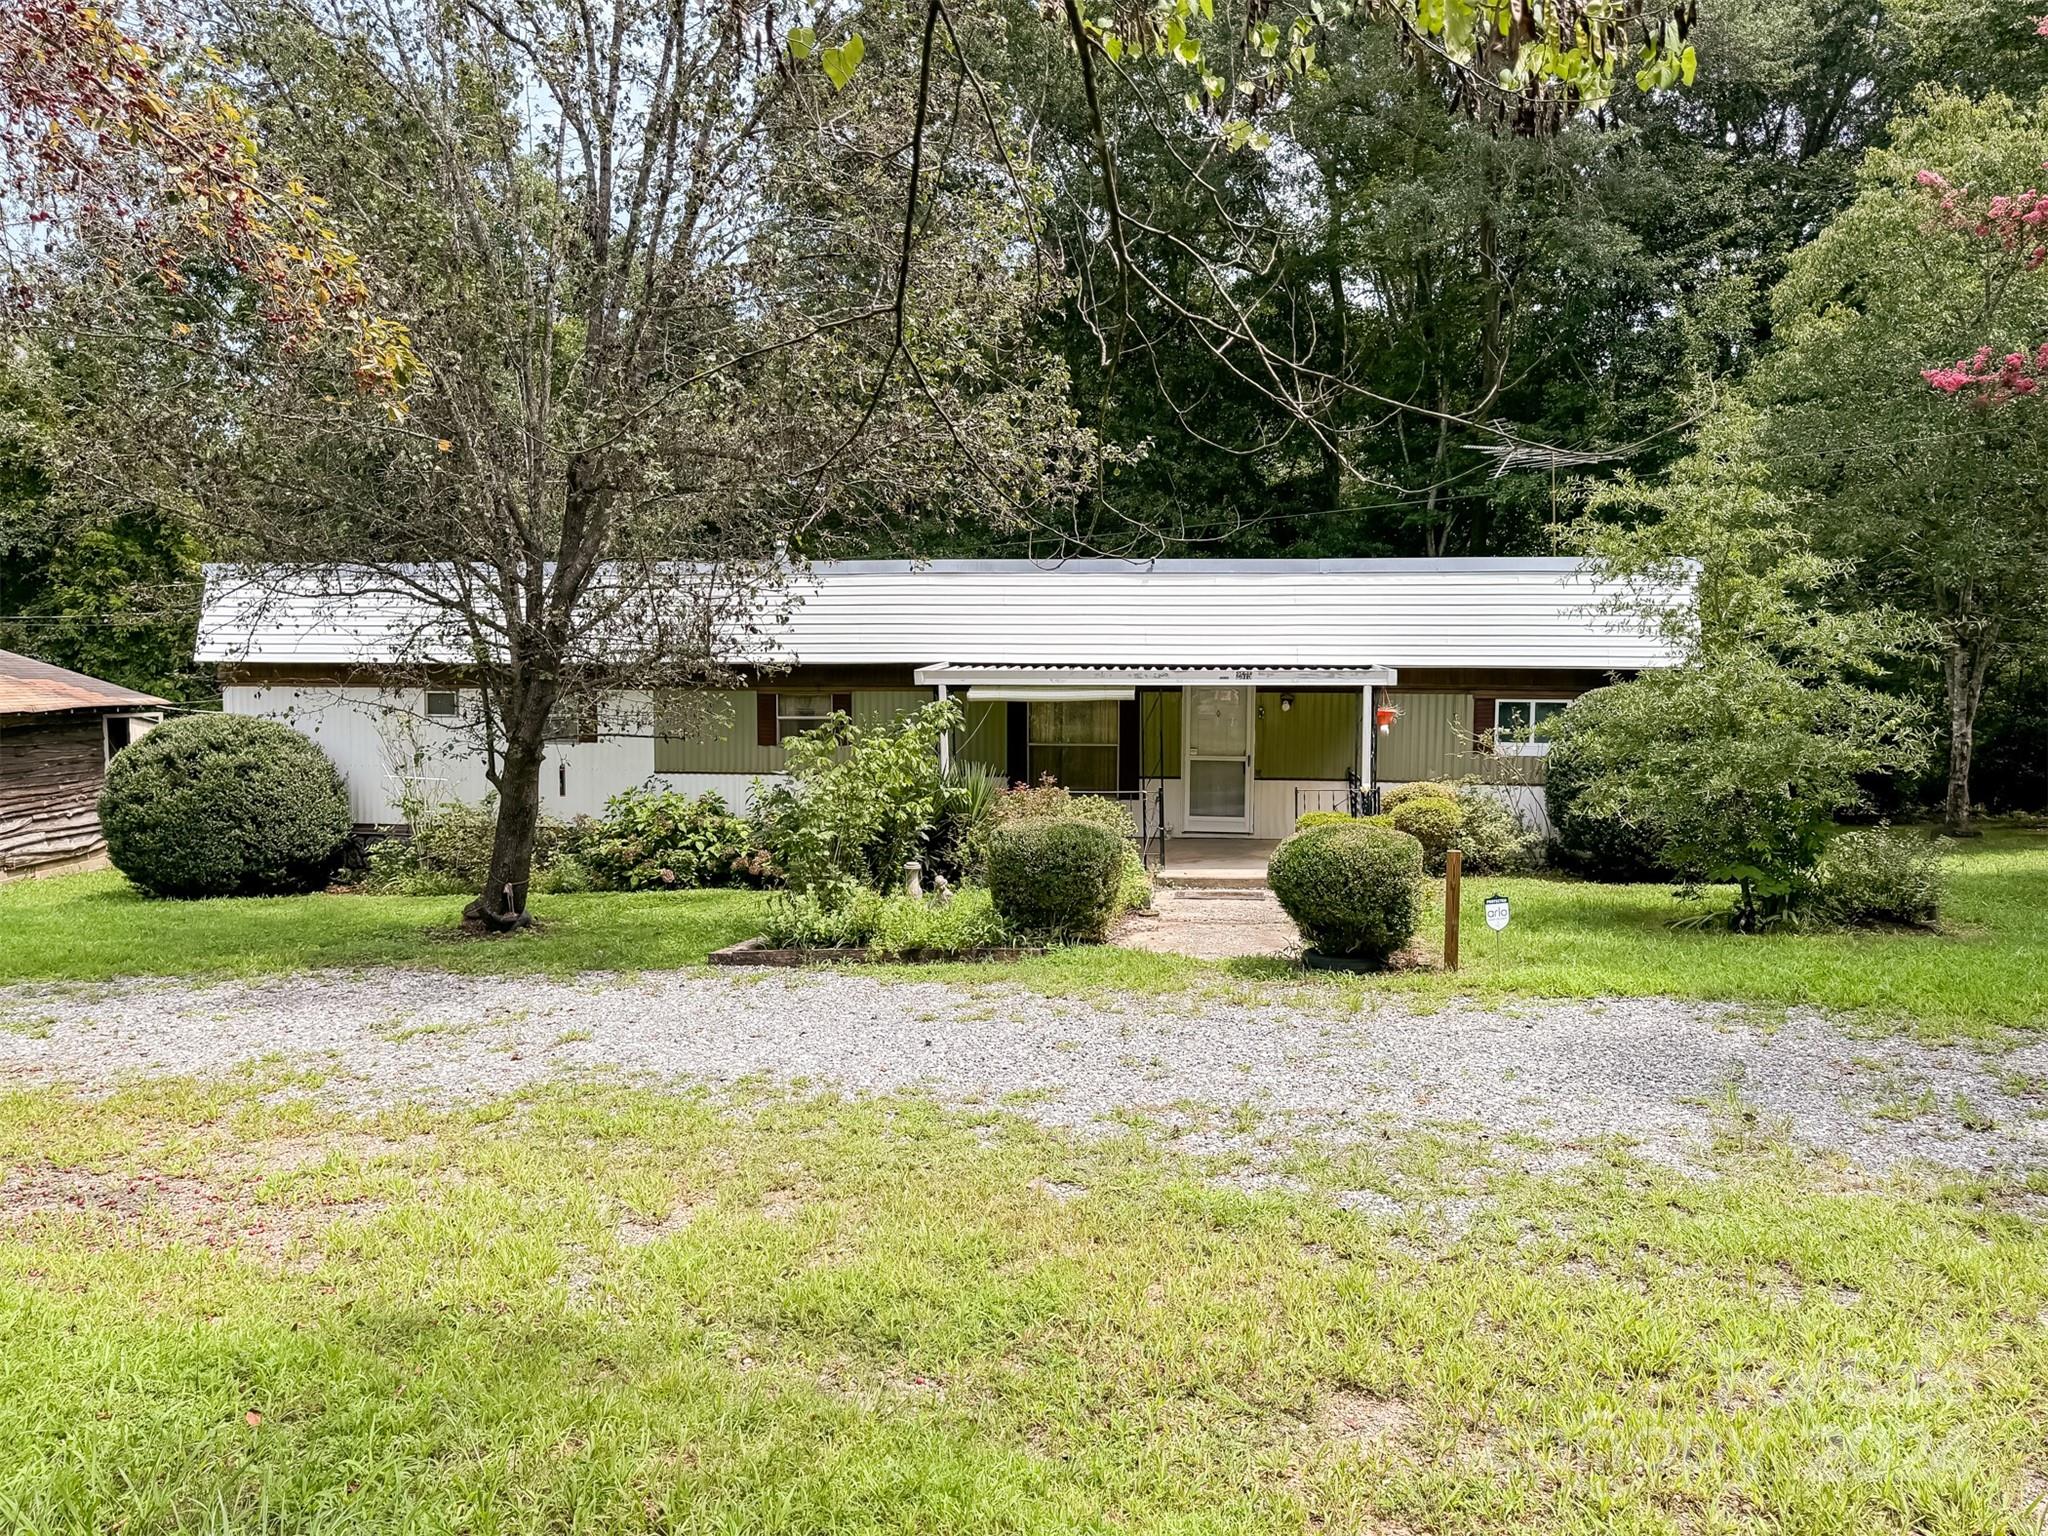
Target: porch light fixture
x=1286 y=702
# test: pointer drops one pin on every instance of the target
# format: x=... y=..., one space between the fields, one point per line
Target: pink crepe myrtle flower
x=1990 y=382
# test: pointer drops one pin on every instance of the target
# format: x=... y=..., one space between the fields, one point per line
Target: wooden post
x=1453 y=868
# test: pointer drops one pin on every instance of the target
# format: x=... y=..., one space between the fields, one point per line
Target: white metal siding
x=1418 y=613
x=381 y=738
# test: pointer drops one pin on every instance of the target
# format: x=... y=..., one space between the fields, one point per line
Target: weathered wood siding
x=50 y=774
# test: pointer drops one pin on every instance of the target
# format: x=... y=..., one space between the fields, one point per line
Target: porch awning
x=1027 y=693
x=990 y=680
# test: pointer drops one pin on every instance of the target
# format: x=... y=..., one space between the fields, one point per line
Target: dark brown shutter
x=1018 y=744
x=842 y=704
x=765 y=732
x=1482 y=722
x=1128 y=740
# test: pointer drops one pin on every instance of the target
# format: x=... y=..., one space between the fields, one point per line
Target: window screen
x=1075 y=742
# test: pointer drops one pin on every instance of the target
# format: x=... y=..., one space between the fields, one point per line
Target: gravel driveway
x=1661 y=1072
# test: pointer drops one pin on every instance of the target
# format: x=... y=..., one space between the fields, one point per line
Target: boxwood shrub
x=224 y=805
x=1352 y=891
x=1420 y=789
x=1056 y=879
x=1435 y=821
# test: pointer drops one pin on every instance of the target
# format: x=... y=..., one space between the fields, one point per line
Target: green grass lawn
x=89 y=927
x=1985 y=975
x=224 y=1309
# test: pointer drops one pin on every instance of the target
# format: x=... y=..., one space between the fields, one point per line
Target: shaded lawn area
x=226 y=1308
x=1985 y=975
x=91 y=927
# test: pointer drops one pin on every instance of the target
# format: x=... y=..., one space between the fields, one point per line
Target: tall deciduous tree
x=1778 y=712
x=1939 y=509
x=680 y=293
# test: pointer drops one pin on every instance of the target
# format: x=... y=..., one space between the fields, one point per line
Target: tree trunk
x=1963 y=669
x=501 y=905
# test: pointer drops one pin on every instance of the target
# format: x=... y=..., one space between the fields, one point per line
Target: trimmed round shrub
x=1421 y=789
x=1873 y=876
x=1433 y=821
x=1340 y=819
x=1323 y=819
x=1056 y=879
x=1353 y=891
x=1587 y=843
x=224 y=805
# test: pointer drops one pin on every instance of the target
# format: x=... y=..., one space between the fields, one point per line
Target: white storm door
x=1218 y=770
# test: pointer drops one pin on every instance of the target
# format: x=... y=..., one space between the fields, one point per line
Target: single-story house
x=1227 y=696
x=57 y=731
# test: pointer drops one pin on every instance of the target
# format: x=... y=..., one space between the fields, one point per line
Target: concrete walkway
x=1211 y=924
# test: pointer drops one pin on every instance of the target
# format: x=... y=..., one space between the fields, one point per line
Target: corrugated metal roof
x=976 y=673
x=31 y=687
x=1235 y=613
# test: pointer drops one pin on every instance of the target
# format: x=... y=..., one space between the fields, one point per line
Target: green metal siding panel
x=1159 y=716
x=712 y=731
x=709 y=732
x=1317 y=739
x=985 y=739
x=1433 y=740
x=874 y=706
x=1428 y=739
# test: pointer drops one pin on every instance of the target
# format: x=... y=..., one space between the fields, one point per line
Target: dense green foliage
x=1421 y=789
x=1779 y=712
x=224 y=805
x=857 y=804
x=1057 y=878
x=1588 y=839
x=1931 y=500
x=448 y=852
x=1433 y=821
x=1491 y=836
x=1872 y=876
x=1052 y=802
x=662 y=839
x=1352 y=891
x=898 y=926
x=956 y=846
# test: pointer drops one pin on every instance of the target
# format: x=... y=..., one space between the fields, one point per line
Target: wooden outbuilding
x=58 y=728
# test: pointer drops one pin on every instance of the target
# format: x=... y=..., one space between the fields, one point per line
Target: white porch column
x=945 y=738
x=1365 y=736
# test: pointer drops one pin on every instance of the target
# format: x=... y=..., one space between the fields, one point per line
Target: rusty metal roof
x=31 y=687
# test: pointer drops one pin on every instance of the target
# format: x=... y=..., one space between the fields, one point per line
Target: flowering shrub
x=653 y=840
x=2013 y=224
x=2016 y=373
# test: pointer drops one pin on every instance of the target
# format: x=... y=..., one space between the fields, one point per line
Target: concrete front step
x=1209 y=879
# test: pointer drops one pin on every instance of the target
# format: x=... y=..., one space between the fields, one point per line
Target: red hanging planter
x=1385 y=716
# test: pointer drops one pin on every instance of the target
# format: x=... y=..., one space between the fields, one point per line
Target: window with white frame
x=1522 y=727
x=1075 y=741
x=443 y=704
x=796 y=713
